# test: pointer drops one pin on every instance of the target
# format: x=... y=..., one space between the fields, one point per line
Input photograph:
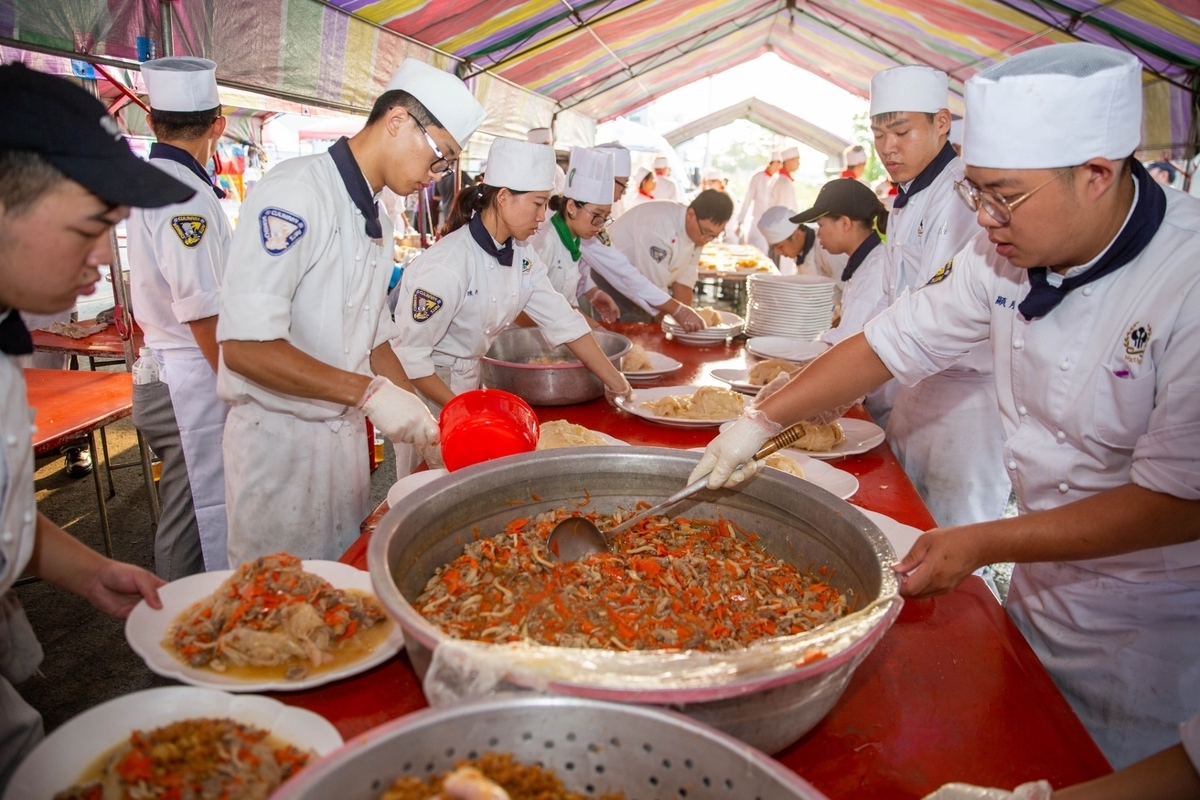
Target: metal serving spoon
x=577 y=537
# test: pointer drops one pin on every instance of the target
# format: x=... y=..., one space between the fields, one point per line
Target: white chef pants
x=292 y=485
x=946 y=433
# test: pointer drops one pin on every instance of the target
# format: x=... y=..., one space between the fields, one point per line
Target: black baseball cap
x=70 y=129
x=844 y=197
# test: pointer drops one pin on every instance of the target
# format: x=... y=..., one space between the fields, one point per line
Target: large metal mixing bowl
x=594 y=747
x=506 y=366
x=769 y=707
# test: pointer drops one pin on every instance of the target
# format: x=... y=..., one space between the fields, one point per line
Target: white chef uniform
x=20 y=653
x=781 y=189
x=563 y=271
x=757 y=200
x=665 y=187
x=1099 y=393
x=946 y=430
x=653 y=237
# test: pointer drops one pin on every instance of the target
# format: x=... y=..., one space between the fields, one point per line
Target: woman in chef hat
x=459 y=295
x=646 y=184
x=580 y=212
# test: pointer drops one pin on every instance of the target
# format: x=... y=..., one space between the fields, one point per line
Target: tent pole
x=165 y=13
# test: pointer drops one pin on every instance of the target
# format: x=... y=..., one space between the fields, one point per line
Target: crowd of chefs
x=1023 y=318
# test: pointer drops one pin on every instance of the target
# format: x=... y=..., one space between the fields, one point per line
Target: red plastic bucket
x=484 y=424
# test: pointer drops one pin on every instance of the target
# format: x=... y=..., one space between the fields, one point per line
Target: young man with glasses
x=304 y=326
x=663 y=240
x=1083 y=286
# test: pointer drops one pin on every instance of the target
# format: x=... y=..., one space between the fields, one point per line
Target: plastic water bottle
x=145 y=369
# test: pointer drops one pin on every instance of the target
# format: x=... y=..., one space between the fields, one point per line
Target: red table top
x=69 y=403
x=952 y=692
x=106 y=343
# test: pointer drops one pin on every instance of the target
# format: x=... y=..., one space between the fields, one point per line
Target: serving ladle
x=577 y=537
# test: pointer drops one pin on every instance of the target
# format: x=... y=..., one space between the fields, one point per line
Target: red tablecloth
x=105 y=344
x=68 y=404
x=952 y=692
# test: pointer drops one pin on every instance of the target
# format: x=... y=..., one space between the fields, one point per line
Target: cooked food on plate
x=707 y=402
x=784 y=464
x=559 y=433
x=636 y=360
x=820 y=438
x=492 y=776
x=763 y=372
x=270 y=618
x=669 y=583
x=193 y=759
x=711 y=316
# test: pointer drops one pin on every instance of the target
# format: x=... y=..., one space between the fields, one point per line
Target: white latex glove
x=605 y=306
x=728 y=459
x=772 y=386
x=1034 y=790
x=625 y=393
x=687 y=318
x=399 y=415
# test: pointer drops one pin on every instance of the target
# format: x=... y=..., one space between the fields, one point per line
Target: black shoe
x=79 y=462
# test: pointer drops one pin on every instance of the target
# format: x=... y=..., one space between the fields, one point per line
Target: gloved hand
x=1034 y=790
x=772 y=386
x=728 y=458
x=624 y=393
x=399 y=415
x=605 y=306
x=687 y=318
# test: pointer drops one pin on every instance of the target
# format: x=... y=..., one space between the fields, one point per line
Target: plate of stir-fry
x=274 y=623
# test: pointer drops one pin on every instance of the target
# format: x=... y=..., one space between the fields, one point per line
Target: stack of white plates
x=798 y=306
x=731 y=326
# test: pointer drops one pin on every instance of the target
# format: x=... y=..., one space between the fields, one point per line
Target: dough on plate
x=636 y=360
x=711 y=316
x=707 y=402
x=820 y=438
x=559 y=433
x=784 y=464
x=764 y=372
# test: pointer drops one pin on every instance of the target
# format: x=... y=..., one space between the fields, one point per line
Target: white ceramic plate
x=659 y=365
x=410 y=483
x=642 y=395
x=861 y=436
x=146 y=628
x=900 y=535
x=738 y=379
x=831 y=479
x=57 y=762
x=610 y=440
x=795 y=350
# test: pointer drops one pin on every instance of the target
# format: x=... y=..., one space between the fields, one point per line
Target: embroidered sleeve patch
x=526 y=266
x=658 y=254
x=603 y=238
x=279 y=230
x=189 y=228
x=425 y=305
x=942 y=273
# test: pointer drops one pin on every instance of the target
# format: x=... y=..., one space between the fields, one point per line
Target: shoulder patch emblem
x=425 y=305
x=603 y=238
x=279 y=230
x=658 y=254
x=526 y=266
x=1136 y=340
x=942 y=273
x=189 y=228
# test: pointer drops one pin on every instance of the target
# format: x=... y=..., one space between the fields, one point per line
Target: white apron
x=294 y=485
x=200 y=417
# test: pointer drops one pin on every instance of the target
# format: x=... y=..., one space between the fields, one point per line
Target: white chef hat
x=442 y=94
x=661 y=162
x=789 y=152
x=776 y=155
x=522 y=166
x=181 y=84
x=622 y=161
x=640 y=176
x=854 y=155
x=956 y=131
x=776 y=225
x=713 y=174
x=539 y=136
x=911 y=88
x=590 y=176
x=1055 y=106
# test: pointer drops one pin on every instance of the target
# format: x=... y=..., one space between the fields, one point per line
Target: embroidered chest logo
x=1136 y=340
x=921 y=228
x=603 y=238
x=425 y=305
x=526 y=266
x=189 y=228
x=942 y=273
x=279 y=230
x=658 y=254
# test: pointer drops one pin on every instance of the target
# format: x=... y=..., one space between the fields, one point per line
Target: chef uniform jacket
x=781 y=191
x=665 y=188
x=1101 y=392
x=600 y=259
x=455 y=299
x=177 y=257
x=20 y=653
x=653 y=237
x=301 y=269
x=946 y=430
x=569 y=277
x=757 y=201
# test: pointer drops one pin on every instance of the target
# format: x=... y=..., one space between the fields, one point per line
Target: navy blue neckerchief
x=860 y=255
x=810 y=241
x=14 y=336
x=927 y=176
x=1147 y=216
x=169 y=152
x=484 y=239
x=357 y=187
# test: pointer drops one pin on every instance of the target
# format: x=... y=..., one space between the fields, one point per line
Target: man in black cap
x=66 y=178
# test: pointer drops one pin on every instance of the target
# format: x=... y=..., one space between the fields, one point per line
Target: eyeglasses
x=599 y=220
x=997 y=206
x=624 y=184
x=446 y=164
x=709 y=235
